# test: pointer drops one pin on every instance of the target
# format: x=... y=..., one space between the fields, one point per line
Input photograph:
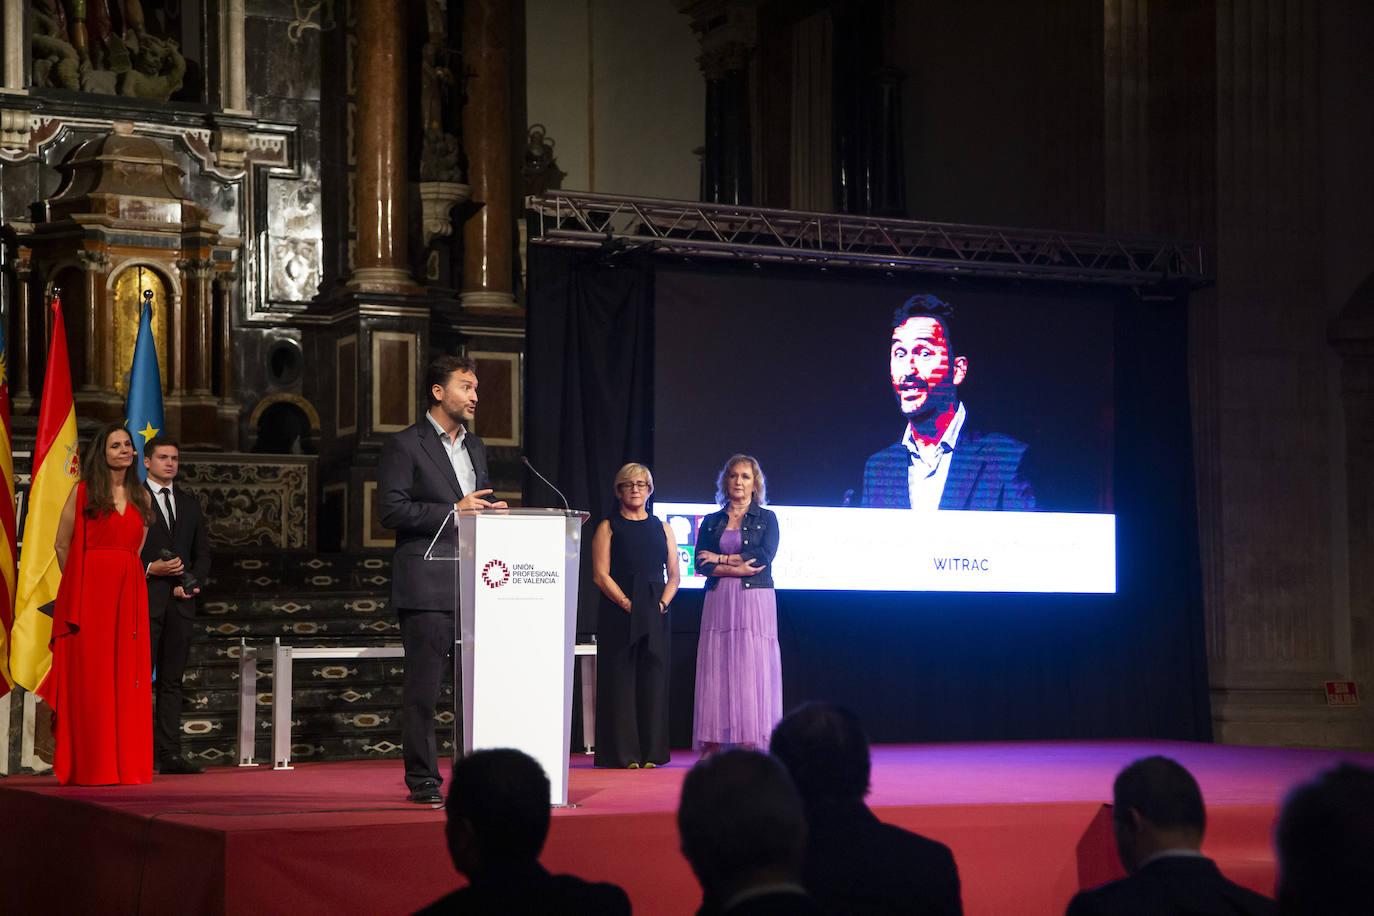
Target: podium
x=516 y=577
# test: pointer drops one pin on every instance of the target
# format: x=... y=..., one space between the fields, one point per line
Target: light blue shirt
x=457 y=455
x=928 y=466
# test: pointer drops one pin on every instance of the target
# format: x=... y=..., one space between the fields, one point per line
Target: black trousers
x=169 y=634
x=631 y=693
x=428 y=640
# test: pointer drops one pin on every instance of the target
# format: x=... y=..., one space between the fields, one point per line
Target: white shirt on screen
x=929 y=464
x=457 y=455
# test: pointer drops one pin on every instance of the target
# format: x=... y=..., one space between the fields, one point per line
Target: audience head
x=498 y=810
x=1325 y=841
x=825 y=750
x=1156 y=805
x=741 y=823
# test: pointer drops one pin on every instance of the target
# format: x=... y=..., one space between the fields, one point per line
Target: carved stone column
x=199 y=309
x=23 y=331
x=381 y=262
x=99 y=370
x=728 y=32
x=224 y=283
x=489 y=235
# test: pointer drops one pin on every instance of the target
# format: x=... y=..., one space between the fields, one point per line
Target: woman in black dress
x=631 y=552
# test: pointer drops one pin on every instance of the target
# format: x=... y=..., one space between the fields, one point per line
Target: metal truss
x=615 y=223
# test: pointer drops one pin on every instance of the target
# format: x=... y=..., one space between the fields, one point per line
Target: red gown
x=102 y=667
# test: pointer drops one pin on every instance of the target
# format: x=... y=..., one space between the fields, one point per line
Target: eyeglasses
x=633 y=485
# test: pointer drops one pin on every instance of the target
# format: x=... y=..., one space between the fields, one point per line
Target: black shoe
x=179 y=765
x=427 y=795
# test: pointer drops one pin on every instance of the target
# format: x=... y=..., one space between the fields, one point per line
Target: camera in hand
x=187 y=579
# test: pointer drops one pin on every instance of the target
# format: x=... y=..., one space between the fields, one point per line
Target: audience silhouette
x=854 y=862
x=743 y=832
x=1159 y=819
x=1325 y=843
x=498 y=818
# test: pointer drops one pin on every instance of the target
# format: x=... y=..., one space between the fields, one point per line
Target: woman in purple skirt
x=739 y=668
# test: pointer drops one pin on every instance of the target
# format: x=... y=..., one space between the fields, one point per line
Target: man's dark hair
x=1325 y=844
x=739 y=812
x=825 y=750
x=504 y=795
x=1162 y=791
x=157 y=442
x=442 y=367
x=924 y=305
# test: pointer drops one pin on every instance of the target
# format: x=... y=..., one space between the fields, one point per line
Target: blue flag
x=144 y=407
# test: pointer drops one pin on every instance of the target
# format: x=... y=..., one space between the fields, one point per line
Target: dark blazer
x=190 y=541
x=1189 y=885
x=417 y=488
x=530 y=891
x=857 y=864
x=984 y=473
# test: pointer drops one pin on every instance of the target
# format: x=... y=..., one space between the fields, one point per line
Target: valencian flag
x=8 y=551
x=143 y=410
x=56 y=469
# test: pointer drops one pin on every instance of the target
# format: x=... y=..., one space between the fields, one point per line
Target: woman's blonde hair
x=632 y=471
x=760 y=485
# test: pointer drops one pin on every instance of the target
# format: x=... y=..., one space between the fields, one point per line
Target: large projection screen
x=810 y=376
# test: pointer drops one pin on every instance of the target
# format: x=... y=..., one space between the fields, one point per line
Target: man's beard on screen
x=940 y=398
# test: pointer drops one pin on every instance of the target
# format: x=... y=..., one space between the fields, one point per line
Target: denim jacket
x=759 y=532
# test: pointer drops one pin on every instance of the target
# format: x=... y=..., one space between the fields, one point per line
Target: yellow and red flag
x=8 y=551
x=56 y=469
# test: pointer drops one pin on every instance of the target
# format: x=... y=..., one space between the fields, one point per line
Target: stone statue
x=439 y=150
x=157 y=71
x=540 y=170
x=56 y=63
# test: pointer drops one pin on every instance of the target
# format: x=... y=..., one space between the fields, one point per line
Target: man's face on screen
x=923 y=374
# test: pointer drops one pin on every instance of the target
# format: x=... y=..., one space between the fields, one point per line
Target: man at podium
x=426 y=471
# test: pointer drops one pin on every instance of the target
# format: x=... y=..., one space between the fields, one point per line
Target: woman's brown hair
x=95 y=473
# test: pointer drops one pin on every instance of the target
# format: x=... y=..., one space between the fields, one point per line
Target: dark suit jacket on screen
x=984 y=474
x=417 y=489
x=190 y=541
x=1189 y=885
x=857 y=864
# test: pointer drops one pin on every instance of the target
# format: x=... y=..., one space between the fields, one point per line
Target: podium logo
x=495 y=574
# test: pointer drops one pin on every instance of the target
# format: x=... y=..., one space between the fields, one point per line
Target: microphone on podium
x=547 y=481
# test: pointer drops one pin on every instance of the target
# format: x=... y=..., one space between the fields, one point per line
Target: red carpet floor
x=1025 y=820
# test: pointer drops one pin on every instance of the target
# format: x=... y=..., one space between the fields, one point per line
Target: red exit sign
x=1341 y=693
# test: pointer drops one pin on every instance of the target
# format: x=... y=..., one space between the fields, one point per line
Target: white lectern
x=515 y=624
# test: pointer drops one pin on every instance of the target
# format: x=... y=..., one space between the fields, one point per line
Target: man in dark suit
x=1159 y=819
x=939 y=463
x=743 y=832
x=178 y=527
x=854 y=862
x=426 y=471
x=498 y=819
x=1325 y=842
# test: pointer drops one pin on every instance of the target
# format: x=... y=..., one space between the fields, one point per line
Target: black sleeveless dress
x=632 y=650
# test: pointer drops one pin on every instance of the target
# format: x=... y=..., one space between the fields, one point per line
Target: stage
x=1025 y=820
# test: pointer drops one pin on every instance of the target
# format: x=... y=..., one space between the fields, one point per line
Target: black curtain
x=589 y=382
x=915 y=666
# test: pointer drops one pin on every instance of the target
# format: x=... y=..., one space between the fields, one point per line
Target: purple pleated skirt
x=739 y=667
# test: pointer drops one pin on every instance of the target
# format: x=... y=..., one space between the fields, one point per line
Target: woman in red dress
x=102 y=667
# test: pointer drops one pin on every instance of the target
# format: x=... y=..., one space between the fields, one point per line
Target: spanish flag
x=8 y=551
x=56 y=469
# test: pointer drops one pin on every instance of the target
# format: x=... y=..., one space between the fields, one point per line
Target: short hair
x=760 y=484
x=924 y=305
x=441 y=368
x=632 y=471
x=825 y=750
x=739 y=812
x=1325 y=844
x=157 y=442
x=504 y=795
x=1162 y=791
